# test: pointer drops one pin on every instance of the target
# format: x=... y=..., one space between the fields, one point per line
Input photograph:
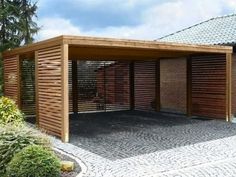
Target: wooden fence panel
x=49 y=89
x=173 y=79
x=101 y=86
x=234 y=85
x=145 y=85
x=209 y=86
x=12 y=78
x=70 y=86
x=27 y=67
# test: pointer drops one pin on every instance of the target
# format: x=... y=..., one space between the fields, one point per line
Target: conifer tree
x=17 y=26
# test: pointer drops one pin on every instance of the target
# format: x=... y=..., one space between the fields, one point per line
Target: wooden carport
x=51 y=73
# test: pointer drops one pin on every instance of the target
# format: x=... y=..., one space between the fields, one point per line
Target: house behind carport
x=215 y=31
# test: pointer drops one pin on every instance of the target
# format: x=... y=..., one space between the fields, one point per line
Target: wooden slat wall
x=234 y=84
x=12 y=78
x=102 y=86
x=27 y=86
x=117 y=86
x=122 y=85
x=90 y=86
x=49 y=78
x=209 y=86
x=173 y=84
x=145 y=85
x=70 y=86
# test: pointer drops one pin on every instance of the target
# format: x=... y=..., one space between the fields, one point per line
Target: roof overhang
x=119 y=48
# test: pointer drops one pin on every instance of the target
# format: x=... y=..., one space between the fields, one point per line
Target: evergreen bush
x=34 y=161
x=13 y=139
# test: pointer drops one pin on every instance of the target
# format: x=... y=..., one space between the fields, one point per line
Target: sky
x=128 y=19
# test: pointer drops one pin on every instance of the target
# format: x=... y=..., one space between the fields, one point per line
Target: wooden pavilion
x=127 y=64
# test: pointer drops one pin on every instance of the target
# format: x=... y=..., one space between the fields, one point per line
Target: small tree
x=27 y=27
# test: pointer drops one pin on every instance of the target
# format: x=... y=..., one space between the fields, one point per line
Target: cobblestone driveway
x=147 y=144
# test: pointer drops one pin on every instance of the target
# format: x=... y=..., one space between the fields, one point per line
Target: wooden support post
x=75 y=86
x=158 y=85
x=131 y=83
x=228 y=86
x=189 y=86
x=36 y=90
x=65 y=94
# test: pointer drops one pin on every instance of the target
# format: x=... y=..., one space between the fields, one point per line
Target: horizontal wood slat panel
x=234 y=84
x=209 y=86
x=145 y=85
x=101 y=86
x=70 y=86
x=173 y=82
x=11 y=78
x=50 y=89
x=28 y=86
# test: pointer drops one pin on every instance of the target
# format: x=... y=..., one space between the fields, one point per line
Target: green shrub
x=34 y=161
x=14 y=139
x=9 y=113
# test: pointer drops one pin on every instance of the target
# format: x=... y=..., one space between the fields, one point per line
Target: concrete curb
x=84 y=168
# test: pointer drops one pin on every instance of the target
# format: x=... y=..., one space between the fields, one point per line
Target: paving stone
x=155 y=145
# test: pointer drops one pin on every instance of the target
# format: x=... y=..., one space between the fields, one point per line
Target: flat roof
x=119 y=44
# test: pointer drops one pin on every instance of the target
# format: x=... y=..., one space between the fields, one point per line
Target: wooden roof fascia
x=35 y=46
x=117 y=43
x=139 y=44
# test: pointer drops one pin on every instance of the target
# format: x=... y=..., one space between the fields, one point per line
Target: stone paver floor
x=150 y=144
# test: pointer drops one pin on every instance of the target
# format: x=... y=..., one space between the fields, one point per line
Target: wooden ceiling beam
x=120 y=54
